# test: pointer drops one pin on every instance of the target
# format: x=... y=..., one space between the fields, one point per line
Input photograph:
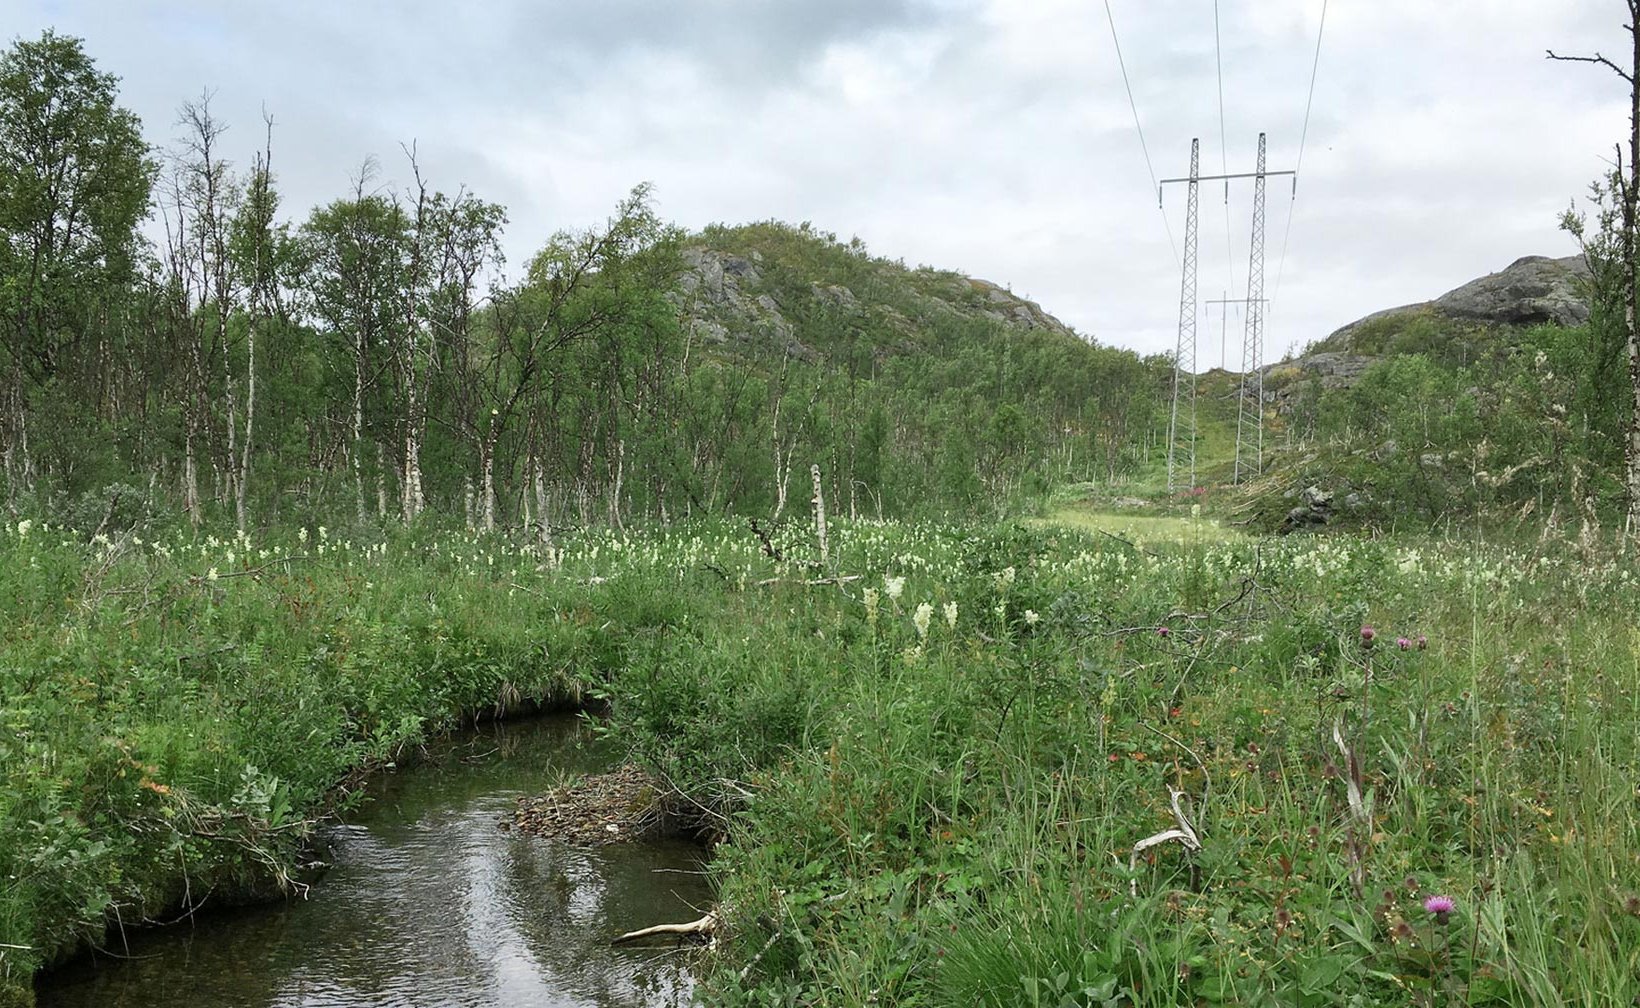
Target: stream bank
x=429 y=900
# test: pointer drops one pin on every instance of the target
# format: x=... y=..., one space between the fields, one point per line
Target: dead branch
x=1358 y=807
x=769 y=548
x=1596 y=58
x=1207 y=778
x=248 y=572
x=1184 y=833
x=812 y=582
x=705 y=925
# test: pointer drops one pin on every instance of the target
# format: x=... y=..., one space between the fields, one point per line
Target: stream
x=429 y=903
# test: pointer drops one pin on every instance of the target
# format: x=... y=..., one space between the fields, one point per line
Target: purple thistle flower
x=1162 y=631
x=1441 y=907
x=1403 y=643
x=1367 y=634
x=1423 y=642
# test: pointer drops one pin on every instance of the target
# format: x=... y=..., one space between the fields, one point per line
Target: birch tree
x=1626 y=182
x=262 y=252
x=208 y=196
x=75 y=177
x=354 y=255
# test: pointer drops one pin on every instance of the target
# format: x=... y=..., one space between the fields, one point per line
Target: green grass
x=1140 y=529
x=930 y=788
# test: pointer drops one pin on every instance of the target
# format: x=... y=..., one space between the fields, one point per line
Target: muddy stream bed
x=429 y=901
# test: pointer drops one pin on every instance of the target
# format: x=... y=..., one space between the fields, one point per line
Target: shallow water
x=429 y=903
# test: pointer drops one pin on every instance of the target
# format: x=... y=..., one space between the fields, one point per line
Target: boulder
x=1530 y=291
x=1315 y=508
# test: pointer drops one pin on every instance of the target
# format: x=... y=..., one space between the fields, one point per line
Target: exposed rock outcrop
x=1530 y=291
x=729 y=297
x=718 y=298
x=1314 y=508
x=1010 y=307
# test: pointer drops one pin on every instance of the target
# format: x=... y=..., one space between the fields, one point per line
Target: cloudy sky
x=992 y=137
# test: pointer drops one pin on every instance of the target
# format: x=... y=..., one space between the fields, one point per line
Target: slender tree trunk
x=1628 y=183
x=16 y=451
x=544 y=528
x=1631 y=277
x=381 y=485
x=358 y=422
x=820 y=519
x=413 y=499
x=242 y=480
x=486 y=461
x=615 y=489
x=190 y=474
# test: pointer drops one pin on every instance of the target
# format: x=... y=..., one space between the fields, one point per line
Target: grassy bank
x=932 y=778
x=944 y=783
x=175 y=714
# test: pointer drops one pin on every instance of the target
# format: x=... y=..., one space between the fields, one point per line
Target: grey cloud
x=990 y=136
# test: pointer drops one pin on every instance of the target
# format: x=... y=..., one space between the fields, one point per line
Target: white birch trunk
x=487 y=463
x=358 y=423
x=820 y=518
x=190 y=476
x=244 y=478
x=543 y=527
x=615 y=491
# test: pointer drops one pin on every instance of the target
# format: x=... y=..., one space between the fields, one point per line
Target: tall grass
x=930 y=774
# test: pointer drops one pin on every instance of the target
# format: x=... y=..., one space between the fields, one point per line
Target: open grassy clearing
x=1140 y=528
x=932 y=779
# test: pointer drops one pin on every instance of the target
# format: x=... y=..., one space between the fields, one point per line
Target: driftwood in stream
x=704 y=926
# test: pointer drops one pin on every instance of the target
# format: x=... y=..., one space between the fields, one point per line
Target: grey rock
x=742 y=269
x=1010 y=307
x=1333 y=368
x=1315 y=509
x=719 y=294
x=709 y=330
x=1529 y=291
x=835 y=294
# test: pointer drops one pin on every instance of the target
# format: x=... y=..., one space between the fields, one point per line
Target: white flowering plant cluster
x=945 y=712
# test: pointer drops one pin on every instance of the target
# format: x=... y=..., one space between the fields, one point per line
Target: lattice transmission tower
x=1181 y=424
x=1181 y=427
x=1250 y=403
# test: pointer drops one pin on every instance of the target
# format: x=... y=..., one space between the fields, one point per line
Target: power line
x=1181 y=428
x=1224 y=146
x=1135 y=107
x=1303 y=134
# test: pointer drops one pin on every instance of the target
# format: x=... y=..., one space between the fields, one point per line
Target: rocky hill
x=1487 y=400
x=770 y=288
x=1532 y=290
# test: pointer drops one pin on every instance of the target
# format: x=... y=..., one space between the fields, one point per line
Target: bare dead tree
x=1627 y=180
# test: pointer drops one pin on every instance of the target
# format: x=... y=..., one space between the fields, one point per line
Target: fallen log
x=705 y=925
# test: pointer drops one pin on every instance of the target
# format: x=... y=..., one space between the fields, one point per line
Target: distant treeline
x=365 y=361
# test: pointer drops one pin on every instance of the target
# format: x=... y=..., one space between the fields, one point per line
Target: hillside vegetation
x=1503 y=400
x=290 y=493
x=367 y=359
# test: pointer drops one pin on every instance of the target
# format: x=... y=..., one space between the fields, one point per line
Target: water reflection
x=429 y=904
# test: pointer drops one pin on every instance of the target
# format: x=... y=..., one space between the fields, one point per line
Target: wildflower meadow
x=955 y=764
